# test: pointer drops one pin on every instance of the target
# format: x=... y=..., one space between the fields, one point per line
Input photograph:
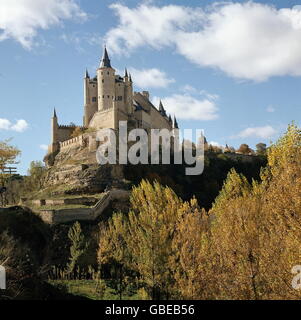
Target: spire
x=105 y=62
x=54 y=113
x=126 y=73
x=169 y=119
x=130 y=77
x=175 y=123
x=161 y=109
x=87 y=74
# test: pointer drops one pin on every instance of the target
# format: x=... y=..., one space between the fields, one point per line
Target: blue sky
x=232 y=69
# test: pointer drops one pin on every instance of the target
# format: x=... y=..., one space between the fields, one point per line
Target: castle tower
x=86 y=99
x=106 y=83
x=90 y=98
x=54 y=132
x=54 y=127
x=128 y=93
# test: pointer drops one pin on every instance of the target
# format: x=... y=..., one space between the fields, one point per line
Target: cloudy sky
x=230 y=68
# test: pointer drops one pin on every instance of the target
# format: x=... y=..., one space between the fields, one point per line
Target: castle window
x=119 y=98
x=108 y=72
x=93 y=99
x=103 y=96
x=103 y=81
x=108 y=96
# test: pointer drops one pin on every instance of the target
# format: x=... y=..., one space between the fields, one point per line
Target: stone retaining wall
x=88 y=214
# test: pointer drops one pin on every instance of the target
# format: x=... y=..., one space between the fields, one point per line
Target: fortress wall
x=144 y=119
x=103 y=119
x=158 y=121
x=72 y=143
x=64 y=132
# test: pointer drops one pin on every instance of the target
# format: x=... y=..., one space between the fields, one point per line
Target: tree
x=235 y=186
x=8 y=154
x=244 y=149
x=78 y=245
x=113 y=247
x=261 y=149
x=189 y=259
x=36 y=174
x=151 y=228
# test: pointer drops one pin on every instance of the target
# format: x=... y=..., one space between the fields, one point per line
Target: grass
x=87 y=289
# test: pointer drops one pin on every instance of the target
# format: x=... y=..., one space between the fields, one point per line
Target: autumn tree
x=244 y=149
x=8 y=154
x=189 y=261
x=113 y=248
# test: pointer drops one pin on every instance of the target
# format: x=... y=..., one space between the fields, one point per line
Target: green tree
x=36 y=173
x=261 y=149
x=78 y=245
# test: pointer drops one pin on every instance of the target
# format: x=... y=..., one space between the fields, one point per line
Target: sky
x=230 y=68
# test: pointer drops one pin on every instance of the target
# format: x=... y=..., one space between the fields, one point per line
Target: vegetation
x=237 y=241
x=8 y=154
x=244 y=247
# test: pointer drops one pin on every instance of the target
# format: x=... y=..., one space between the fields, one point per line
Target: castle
x=108 y=99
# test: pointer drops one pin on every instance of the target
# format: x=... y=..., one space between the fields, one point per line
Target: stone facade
x=108 y=99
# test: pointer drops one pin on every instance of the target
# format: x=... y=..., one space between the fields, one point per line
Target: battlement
x=70 y=126
x=73 y=142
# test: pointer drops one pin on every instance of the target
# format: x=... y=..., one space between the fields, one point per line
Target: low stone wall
x=71 y=143
x=87 y=214
x=68 y=201
x=66 y=215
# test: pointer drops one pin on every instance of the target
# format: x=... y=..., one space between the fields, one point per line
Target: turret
x=90 y=98
x=54 y=133
x=54 y=127
x=128 y=92
x=161 y=109
x=106 y=83
x=175 y=123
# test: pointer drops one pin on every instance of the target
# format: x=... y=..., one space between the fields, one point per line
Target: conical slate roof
x=105 y=62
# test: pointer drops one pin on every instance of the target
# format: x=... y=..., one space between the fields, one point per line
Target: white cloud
x=247 y=40
x=19 y=126
x=257 y=132
x=189 y=108
x=44 y=147
x=150 y=78
x=21 y=19
x=270 y=109
x=4 y=124
x=188 y=89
